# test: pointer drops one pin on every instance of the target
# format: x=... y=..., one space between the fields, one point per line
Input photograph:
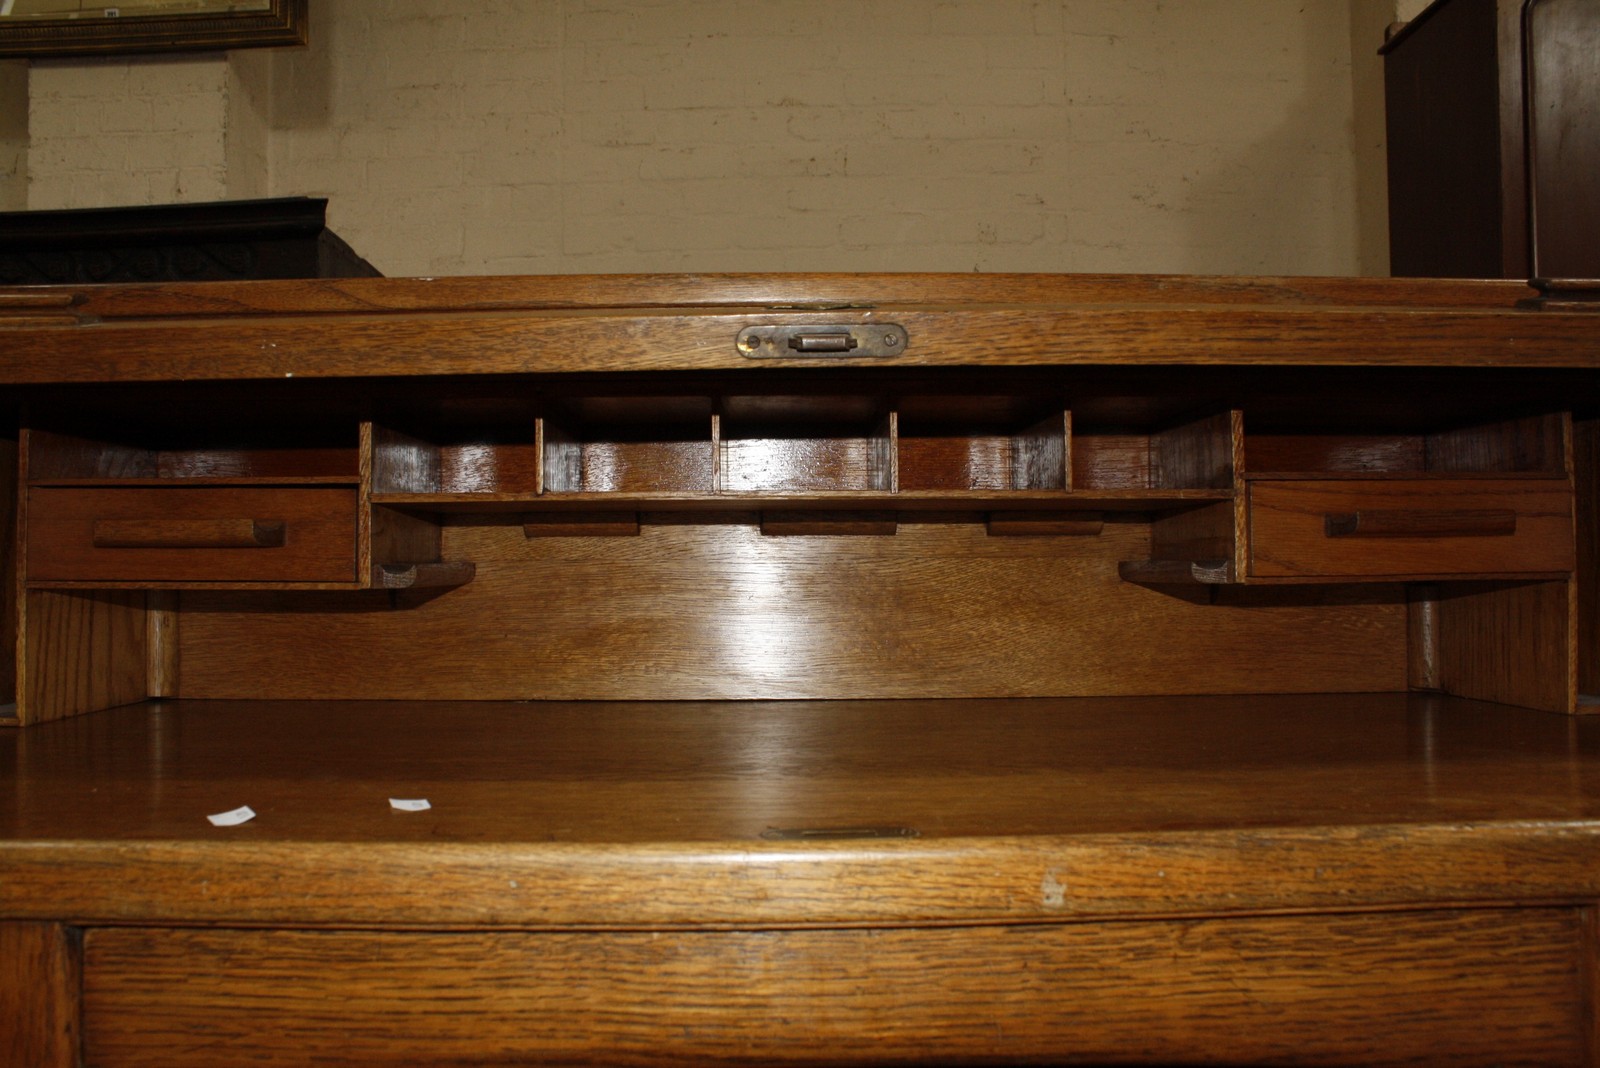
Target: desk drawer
x=192 y=534
x=1494 y=986
x=1337 y=528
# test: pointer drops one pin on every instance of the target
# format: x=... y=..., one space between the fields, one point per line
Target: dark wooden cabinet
x=1121 y=669
x=280 y=237
x=1494 y=119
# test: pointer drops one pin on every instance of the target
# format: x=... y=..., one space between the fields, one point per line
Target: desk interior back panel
x=712 y=610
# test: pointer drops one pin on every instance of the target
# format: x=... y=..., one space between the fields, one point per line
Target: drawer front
x=192 y=534
x=1494 y=986
x=1423 y=528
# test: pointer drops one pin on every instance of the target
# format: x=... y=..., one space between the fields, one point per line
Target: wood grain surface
x=40 y=983
x=1513 y=642
x=683 y=339
x=712 y=609
x=309 y=330
x=1472 y=988
x=325 y=296
x=80 y=651
x=71 y=534
x=599 y=813
x=707 y=794
x=1448 y=527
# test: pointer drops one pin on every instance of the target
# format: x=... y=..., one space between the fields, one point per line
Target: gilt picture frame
x=32 y=29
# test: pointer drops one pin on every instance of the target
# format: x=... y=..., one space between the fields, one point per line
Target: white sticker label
x=400 y=804
x=242 y=814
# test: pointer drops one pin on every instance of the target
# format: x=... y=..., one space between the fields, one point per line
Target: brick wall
x=108 y=132
x=628 y=135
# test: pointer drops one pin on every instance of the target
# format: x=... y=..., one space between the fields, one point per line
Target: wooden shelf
x=1127 y=500
x=201 y=480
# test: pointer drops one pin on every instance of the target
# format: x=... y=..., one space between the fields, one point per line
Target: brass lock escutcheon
x=829 y=340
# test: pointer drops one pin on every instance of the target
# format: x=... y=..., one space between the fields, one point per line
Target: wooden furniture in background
x=1481 y=94
x=284 y=237
x=1123 y=669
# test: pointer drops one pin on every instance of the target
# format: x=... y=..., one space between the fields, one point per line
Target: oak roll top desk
x=814 y=668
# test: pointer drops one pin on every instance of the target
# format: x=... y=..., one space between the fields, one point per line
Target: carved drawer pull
x=188 y=533
x=1416 y=523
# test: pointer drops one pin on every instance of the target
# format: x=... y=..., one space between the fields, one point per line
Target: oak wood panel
x=1327 y=453
x=1104 y=460
x=1032 y=459
x=389 y=884
x=714 y=610
x=395 y=462
x=80 y=651
x=1297 y=527
x=493 y=466
x=53 y=455
x=39 y=995
x=1589 y=965
x=1042 y=454
x=974 y=461
x=324 y=296
x=1203 y=454
x=1511 y=642
x=56 y=456
x=10 y=577
x=1467 y=988
x=1533 y=443
x=643 y=339
x=597 y=467
x=318 y=542
x=644 y=813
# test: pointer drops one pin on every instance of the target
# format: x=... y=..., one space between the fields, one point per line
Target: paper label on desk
x=242 y=814
x=403 y=805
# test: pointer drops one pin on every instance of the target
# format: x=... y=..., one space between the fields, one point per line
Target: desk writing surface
x=623 y=813
x=639 y=772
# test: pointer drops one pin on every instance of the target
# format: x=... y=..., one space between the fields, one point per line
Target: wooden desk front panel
x=1473 y=987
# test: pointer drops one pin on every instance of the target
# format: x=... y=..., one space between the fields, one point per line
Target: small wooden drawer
x=192 y=534
x=1410 y=528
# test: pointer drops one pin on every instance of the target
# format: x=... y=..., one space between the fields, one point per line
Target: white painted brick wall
x=677 y=135
x=619 y=135
x=114 y=132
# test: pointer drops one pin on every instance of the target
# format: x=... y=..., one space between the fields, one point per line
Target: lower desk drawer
x=1461 y=988
x=1335 y=528
x=192 y=534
